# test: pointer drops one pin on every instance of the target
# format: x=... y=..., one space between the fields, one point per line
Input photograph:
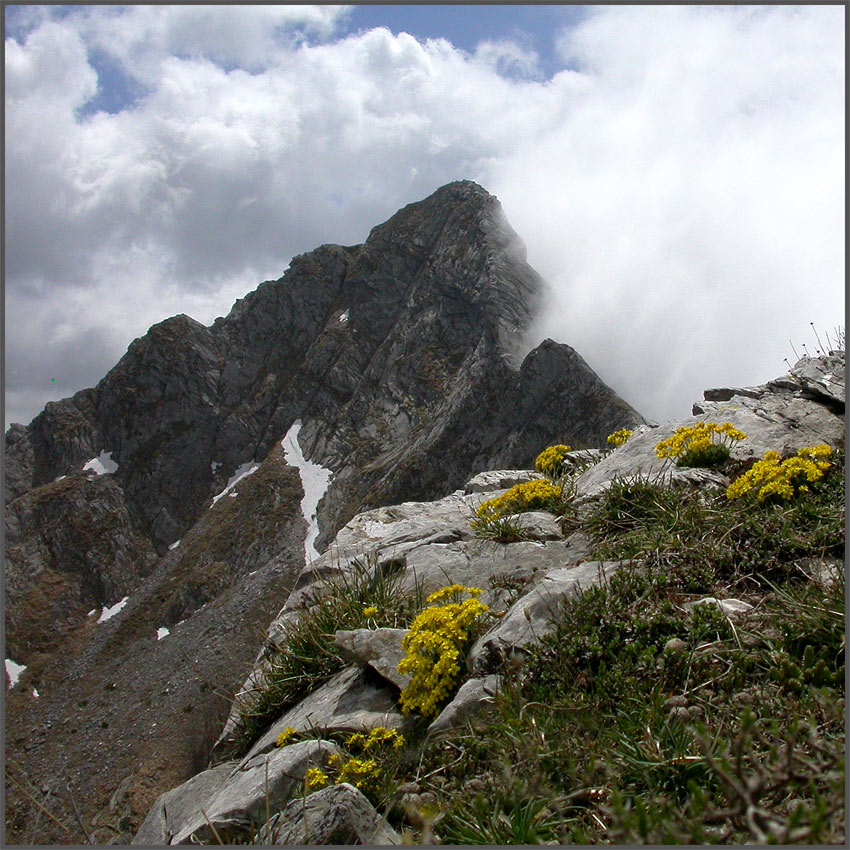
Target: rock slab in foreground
x=379 y=648
x=265 y=784
x=530 y=617
x=346 y=703
x=474 y=695
x=339 y=814
x=179 y=806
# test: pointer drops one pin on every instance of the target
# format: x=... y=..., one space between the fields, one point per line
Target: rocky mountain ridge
x=398 y=360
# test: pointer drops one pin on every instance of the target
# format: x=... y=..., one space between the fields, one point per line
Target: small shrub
x=777 y=479
x=434 y=645
x=551 y=461
x=696 y=445
x=500 y=529
x=619 y=438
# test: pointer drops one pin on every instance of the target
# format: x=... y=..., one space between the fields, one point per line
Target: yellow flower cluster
x=433 y=649
x=690 y=443
x=379 y=735
x=315 y=777
x=782 y=479
x=618 y=438
x=285 y=737
x=551 y=461
x=453 y=592
x=361 y=773
x=371 y=611
x=529 y=496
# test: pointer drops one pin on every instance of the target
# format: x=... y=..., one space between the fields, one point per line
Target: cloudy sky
x=676 y=173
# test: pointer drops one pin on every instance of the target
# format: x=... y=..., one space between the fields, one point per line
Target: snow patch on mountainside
x=244 y=471
x=109 y=613
x=13 y=671
x=315 y=480
x=102 y=464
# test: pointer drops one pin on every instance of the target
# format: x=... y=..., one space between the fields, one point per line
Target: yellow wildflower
x=774 y=477
x=285 y=737
x=528 y=496
x=618 y=438
x=371 y=611
x=315 y=778
x=701 y=444
x=433 y=648
x=360 y=773
x=551 y=461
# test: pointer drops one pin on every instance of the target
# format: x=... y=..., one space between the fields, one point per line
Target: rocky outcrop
x=822 y=376
x=529 y=618
x=385 y=350
x=339 y=814
x=781 y=416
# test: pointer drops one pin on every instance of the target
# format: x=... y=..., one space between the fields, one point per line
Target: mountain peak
x=388 y=371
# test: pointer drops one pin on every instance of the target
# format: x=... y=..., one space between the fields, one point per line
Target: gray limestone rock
x=180 y=806
x=475 y=563
x=538 y=525
x=823 y=376
x=379 y=648
x=499 y=479
x=338 y=814
x=402 y=538
x=579 y=546
x=263 y=784
x=824 y=571
x=471 y=699
x=777 y=421
x=530 y=617
x=578 y=459
x=729 y=607
x=346 y=703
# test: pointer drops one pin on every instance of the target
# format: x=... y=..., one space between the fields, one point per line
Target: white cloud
x=682 y=190
x=508 y=58
x=247 y=36
x=698 y=187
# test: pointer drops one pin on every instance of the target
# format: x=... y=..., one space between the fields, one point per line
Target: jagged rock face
x=86 y=553
x=388 y=351
x=399 y=356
